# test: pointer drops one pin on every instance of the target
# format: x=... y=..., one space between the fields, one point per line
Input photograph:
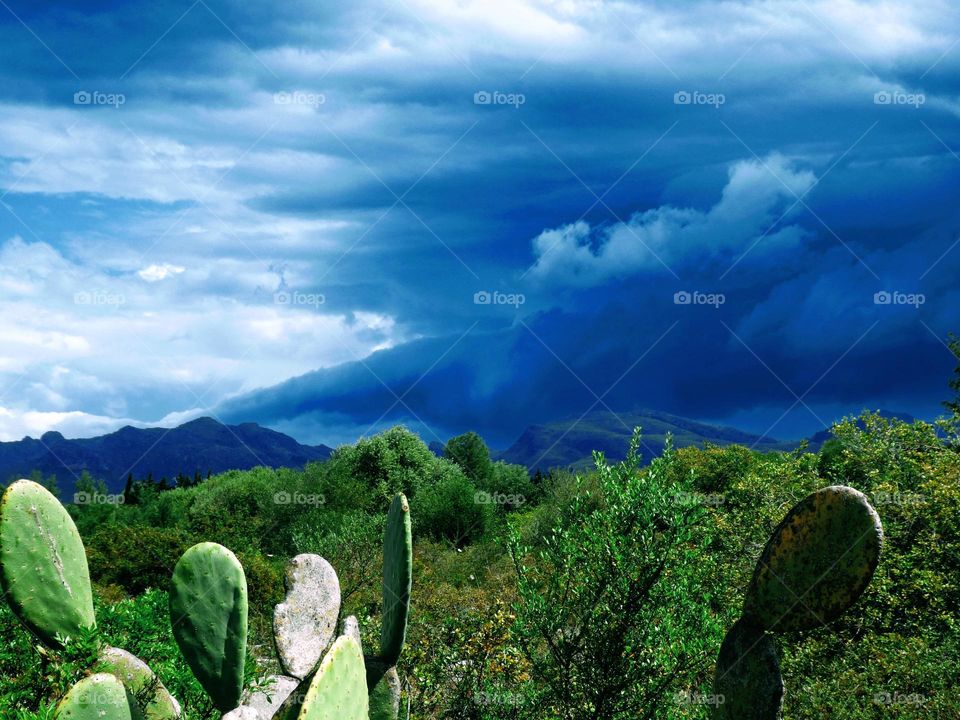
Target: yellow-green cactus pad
x=338 y=690
x=817 y=562
x=747 y=684
x=98 y=697
x=43 y=567
x=208 y=613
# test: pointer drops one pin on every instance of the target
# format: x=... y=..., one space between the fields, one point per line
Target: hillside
x=203 y=445
x=570 y=443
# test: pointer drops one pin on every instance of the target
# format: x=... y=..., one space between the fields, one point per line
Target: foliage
x=610 y=614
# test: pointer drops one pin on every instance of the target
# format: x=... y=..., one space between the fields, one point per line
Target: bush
x=450 y=509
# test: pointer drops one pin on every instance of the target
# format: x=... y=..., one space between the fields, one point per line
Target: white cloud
x=155 y=273
x=756 y=195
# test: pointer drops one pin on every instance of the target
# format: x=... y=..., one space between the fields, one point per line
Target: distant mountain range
x=570 y=443
x=200 y=446
x=208 y=446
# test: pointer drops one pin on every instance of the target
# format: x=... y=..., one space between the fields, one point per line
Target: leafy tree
x=451 y=509
x=471 y=454
x=612 y=614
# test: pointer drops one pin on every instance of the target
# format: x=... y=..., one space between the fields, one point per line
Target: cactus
x=208 y=610
x=43 y=567
x=98 y=697
x=305 y=622
x=397 y=580
x=339 y=687
x=385 y=697
x=815 y=565
x=817 y=562
x=747 y=684
x=137 y=678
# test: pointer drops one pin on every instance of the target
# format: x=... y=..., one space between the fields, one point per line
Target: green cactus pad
x=747 y=684
x=43 y=567
x=137 y=677
x=208 y=613
x=817 y=562
x=339 y=688
x=397 y=579
x=97 y=697
x=385 y=697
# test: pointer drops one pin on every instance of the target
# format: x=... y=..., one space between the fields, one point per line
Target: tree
x=471 y=454
x=953 y=405
x=612 y=612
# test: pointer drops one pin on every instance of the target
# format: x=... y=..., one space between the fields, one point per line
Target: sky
x=330 y=218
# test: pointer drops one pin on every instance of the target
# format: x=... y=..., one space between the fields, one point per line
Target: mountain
x=569 y=443
x=203 y=445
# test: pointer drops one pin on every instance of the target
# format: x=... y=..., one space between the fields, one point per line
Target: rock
x=267 y=702
x=351 y=628
x=305 y=622
x=242 y=713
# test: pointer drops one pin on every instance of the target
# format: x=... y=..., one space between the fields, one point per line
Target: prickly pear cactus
x=43 y=567
x=208 y=612
x=338 y=690
x=747 y=684
x=136 y=676
x=98 y=697
x=306 y=621
x=385 y=697
x=397 y=579
x=817 y=562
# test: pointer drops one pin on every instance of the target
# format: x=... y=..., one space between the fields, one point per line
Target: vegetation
x=597 y=594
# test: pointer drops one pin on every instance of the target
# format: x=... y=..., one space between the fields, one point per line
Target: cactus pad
x=385 y=697
x=208 y=613
x=305 y=622
x=43 y=567
x=338 y=691
x=817 y=562
x=136 y=676
x=97 y=697
x=397 y=579
x=747 y=684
